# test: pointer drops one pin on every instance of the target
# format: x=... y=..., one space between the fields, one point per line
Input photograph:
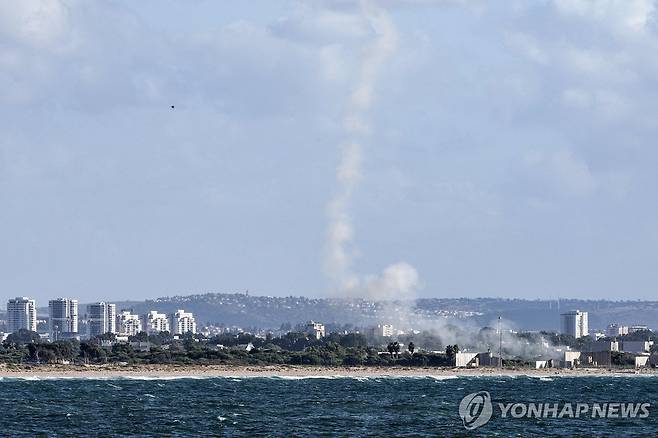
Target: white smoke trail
x=400 y=280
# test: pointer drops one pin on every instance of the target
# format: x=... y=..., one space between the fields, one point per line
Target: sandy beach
x=170 y=371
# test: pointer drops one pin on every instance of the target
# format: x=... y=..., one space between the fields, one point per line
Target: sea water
x=338 y=406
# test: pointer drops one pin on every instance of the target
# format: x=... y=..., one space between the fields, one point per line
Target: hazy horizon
x=505 y=149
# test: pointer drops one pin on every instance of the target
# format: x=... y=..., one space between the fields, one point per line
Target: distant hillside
x=261 y=311
x=545 y=315
x=271 y=312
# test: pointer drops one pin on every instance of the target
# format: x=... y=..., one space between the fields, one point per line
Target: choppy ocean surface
x=285 y=407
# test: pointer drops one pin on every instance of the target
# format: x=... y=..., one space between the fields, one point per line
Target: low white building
x=570 y=359
x=128 y=324
x=183 y=322
x=642 y=360
x=466 y=359
x=156 y=322
x=473 y=360
x=246 y=347
x=315 y=329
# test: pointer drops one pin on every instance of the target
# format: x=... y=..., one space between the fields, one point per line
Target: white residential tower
x=21 y=314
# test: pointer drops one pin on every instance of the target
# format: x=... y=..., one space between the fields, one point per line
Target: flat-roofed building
x=156 y=322
x=570 y=359
x=63 y=321
x=574 y=323
x=128 y=324
x=101 y=319
x=21 y=314
x=315 y=329
x=183 y=322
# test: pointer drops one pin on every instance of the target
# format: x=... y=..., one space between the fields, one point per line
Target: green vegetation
x=622 y=359
x=452 y=350
x=293 y=349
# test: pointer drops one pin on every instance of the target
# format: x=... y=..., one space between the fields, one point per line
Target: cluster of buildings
x=593 y=354
x=576 y=323
x=614 y=330
x=599 y=351
x=600 y=354
x=100 y=318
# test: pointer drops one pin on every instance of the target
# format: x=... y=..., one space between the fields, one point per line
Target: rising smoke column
x=398 y=280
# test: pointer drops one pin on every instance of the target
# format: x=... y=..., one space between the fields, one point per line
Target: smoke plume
x=400 y=280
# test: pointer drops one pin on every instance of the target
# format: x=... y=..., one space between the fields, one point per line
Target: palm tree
x=396 y=349
x=393 y=347
x=452 y=350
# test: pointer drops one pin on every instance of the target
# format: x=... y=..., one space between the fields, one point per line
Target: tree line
x=293 y=348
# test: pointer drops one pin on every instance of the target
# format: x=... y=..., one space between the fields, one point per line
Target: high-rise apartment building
x=63 y=318
x=101 y=318
x=183 y=322
x=128 y=323
x=21 y=314
x=574 y=323
x=156 y=322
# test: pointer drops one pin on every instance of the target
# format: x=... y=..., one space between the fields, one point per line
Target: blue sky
x=511 y=147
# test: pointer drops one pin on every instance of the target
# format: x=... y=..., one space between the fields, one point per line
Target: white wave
x=285 y=377
x=449 y=377
x=144 y=377
x=103 y=378
x=375 y=378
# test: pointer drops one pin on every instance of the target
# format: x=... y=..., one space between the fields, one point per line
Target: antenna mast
x=500 y=345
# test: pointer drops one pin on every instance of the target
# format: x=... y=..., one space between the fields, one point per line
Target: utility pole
x=500 y=344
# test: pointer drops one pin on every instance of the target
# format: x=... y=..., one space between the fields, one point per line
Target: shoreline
x=296 y=371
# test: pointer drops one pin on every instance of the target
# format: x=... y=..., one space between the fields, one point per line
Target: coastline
x=295 y=371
